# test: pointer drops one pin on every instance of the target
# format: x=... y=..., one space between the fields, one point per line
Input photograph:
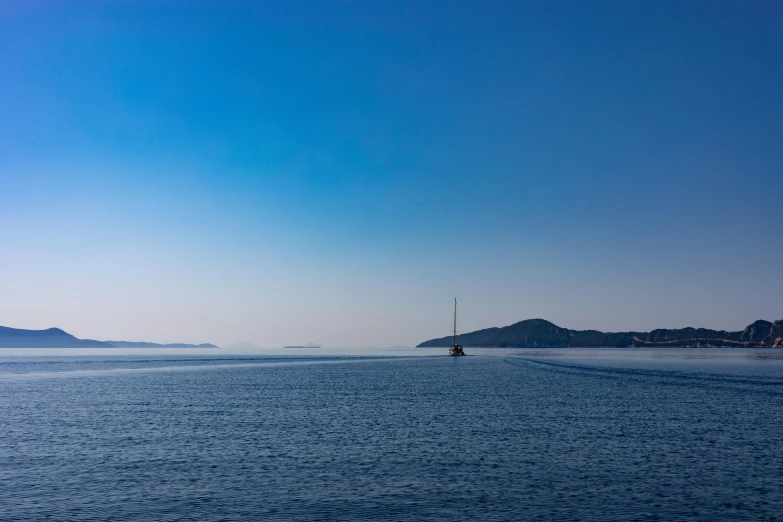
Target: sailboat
x=456 y=349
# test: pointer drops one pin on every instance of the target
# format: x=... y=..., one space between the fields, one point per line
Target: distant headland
x=308 y=345
x=56 y=338
x=538 y=333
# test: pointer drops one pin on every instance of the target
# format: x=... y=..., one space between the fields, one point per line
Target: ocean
x=407 y=435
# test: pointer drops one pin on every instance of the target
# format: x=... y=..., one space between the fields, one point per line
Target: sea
x=501 y=434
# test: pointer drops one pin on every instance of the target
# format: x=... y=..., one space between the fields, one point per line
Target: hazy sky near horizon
x=282 y=172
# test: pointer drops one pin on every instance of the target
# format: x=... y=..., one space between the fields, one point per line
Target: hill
x=142 y=344
x=56 y=338
x=49 y=338
x=538 y=333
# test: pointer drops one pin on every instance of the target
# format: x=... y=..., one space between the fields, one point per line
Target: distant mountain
x=56 y=338
x=538 y=333
x=50 y=338
x=132 y=344
x=308 y=345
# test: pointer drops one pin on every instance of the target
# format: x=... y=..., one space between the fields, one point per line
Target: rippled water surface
x=503 y=435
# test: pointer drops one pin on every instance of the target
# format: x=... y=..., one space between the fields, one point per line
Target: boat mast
x=455 y=321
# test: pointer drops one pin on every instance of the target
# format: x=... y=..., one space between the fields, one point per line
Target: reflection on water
x=500 y=435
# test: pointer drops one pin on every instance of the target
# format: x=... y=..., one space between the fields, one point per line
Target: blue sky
x=280 y=172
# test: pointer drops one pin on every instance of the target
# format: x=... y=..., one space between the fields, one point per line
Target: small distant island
x=57 y=338
x=538 y=333
x=304 y=346
x=132 y=344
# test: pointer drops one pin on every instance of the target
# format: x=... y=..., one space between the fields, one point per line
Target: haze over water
x=503 y=435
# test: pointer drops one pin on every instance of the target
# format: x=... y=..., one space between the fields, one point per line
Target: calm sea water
x=504 y=435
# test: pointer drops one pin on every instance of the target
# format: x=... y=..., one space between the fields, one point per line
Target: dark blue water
x=536 y=435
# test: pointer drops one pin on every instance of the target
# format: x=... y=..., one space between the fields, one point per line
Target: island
x=539 y=333
x=49 y=338
x=57 y=338
x=143 y=344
